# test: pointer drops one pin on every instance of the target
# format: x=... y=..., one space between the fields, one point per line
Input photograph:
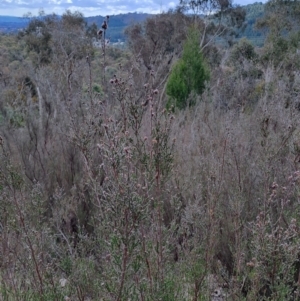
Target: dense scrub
x=107 y=195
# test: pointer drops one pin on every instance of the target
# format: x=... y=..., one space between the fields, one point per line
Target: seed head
x=104 y=25
x=99 y=33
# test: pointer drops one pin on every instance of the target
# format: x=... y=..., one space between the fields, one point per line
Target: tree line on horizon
x=121 y=21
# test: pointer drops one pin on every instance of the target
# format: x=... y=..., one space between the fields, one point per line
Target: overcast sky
x=89 y=7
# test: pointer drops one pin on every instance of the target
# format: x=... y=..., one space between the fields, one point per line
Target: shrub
x=188 y=75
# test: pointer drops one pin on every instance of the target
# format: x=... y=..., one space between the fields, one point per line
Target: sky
x=90 y=7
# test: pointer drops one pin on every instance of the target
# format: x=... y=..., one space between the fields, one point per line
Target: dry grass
x=108 y=196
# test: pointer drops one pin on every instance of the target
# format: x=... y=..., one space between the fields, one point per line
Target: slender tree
x=189 y=75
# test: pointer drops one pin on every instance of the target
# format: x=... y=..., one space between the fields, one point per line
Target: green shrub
x=188 y=75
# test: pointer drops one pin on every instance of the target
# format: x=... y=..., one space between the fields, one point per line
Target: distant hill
x=10 y=19
x=253 y=12
x=10 y=24
x=118 y=23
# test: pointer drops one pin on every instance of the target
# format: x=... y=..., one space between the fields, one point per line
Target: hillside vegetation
x=119 y=23
x=117 y=185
